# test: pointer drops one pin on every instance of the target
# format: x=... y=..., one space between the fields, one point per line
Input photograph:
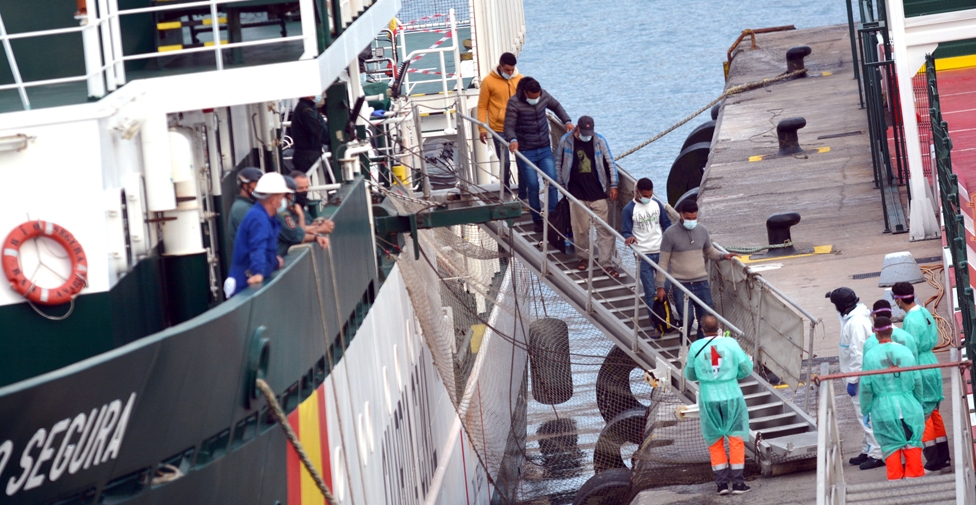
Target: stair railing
x=830 y=453
x=962 y=436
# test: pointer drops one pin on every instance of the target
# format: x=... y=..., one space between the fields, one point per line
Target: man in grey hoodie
x=684 y=250
x=527 y=131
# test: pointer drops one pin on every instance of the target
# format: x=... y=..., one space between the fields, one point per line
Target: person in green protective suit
x=718 y=363
x=890 y=404
x=898 y=335
x=920 y=323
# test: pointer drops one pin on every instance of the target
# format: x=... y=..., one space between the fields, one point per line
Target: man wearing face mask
x=856 y=326
x=644 y=222
x=527 y=131
x=684 y=250
x=320 y=226
x=292 y=221
x=309 y=133
x=246 y=179
x=496 y=89
x=256 y=244
x=587 y=170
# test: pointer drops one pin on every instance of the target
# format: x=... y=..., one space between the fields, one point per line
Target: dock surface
x=831 y=186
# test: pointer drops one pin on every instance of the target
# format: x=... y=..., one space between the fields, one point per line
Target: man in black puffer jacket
x=527 y=130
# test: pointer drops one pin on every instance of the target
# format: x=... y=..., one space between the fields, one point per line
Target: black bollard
x=778 y=231
x=794 y=58
x=789 y=143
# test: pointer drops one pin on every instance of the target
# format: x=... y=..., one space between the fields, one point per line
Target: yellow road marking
x=756 y=158
x=164 y=49
x=820 y=249
x=171 y=25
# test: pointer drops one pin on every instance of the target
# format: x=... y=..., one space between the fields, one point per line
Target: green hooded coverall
x=892 y=398
x=718 y=364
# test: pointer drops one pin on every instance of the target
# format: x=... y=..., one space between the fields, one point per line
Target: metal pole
x=545 y=227
x=215 y=24
x=686 y=325
x=589 y=267
x=806 y=398
x=13 y=66
x=423 y=160
x=637 y=290
x=857 y=69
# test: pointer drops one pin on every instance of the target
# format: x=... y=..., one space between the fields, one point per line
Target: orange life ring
x=19 y=283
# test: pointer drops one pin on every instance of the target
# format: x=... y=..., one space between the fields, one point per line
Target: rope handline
x=293 y=439
x=731 y=91
x=750 y=250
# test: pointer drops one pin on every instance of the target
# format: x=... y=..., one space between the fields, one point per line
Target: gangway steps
x=931 y=490
x=612 y=311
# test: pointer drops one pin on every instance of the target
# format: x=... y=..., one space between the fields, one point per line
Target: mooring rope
x=750 y=250
x=290 y=434
x=731 y=91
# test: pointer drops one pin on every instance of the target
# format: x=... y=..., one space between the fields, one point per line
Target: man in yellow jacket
x=496 y=89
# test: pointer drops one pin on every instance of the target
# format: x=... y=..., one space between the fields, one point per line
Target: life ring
x=64 y=293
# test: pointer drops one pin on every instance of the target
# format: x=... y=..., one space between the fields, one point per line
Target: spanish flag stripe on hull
x=309 y=423
x=294 y=464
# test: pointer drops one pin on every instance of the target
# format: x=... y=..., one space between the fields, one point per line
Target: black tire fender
x=549 y=364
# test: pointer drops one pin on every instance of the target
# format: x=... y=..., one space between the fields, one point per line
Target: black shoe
x=723 y=489
x=861 y=458
x=740 y=488
x=871 y=463
x=537 y=226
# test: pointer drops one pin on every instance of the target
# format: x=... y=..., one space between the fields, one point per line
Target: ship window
x=320 y=372
x=267 y=419
x=289 y=399
x=125 y=487
x=244 y=431
x=308 y=384
x=363 y=450
x=212 y=448
x=86 y=497
x=339 y=475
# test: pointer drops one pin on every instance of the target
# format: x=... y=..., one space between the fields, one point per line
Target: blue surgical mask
x=643 y=200
x=532 y=101
x=283 y=205
x=507 y=76
x=690 y=224
x=586 y=138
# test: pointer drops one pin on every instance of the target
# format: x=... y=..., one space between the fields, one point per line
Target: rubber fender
x=702 y=133
x=691 y=194
x=715 y=110
x=613 y=393
x=687 y=170
x=549 y=366
x=559 y=445
x=611 y=487
x=626 y=427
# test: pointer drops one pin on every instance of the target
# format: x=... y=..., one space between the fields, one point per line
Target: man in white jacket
x=855 y=328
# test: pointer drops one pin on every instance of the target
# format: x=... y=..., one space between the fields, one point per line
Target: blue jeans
x=543 y=159
x=647 y=279
x=505 y=174
x=703 y=292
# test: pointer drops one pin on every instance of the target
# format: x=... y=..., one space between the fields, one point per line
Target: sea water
x=640 y=66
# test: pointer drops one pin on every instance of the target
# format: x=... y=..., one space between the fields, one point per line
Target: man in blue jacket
x=256 y=244
x=644 y=222
x=527 y=131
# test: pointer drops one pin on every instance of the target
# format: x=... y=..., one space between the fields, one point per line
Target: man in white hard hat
x=256 y=243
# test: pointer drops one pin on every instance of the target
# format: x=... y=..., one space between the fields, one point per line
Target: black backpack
x=560 y=225
x=665 y=319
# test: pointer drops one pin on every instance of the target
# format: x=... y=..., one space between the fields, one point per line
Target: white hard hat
x=272 y=183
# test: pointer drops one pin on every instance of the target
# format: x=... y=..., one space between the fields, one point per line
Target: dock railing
x=104 y=55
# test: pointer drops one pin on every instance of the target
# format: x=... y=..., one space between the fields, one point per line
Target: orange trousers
x=934 y=429
x=737 y=454
x=911 y=468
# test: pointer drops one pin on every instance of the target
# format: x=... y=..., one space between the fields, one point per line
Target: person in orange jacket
x=496 y=89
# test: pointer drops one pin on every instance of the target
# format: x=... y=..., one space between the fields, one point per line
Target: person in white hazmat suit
x=855 y=327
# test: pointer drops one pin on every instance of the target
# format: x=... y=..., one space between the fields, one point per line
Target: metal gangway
x=955 y=488
x=783 y=437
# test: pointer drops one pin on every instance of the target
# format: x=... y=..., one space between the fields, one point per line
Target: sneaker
x=723 y=489
x=871 y=463
x=861 y=458
x=740 y=488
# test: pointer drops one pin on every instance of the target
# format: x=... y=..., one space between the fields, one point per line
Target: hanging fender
x=64 y=293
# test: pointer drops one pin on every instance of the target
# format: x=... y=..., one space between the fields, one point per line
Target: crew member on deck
x=919 y=322
x=256 y=244
x=292 y=222
x=246 y=179
x=309 y=132
x=718 y=364
x=586 y=169
x=855 y=320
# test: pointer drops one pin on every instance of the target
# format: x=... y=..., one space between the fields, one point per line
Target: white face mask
x=506 y=76
x=690 y=224
x=586 y=138
x=532 y=101
x=283 y=205
x=643 y=200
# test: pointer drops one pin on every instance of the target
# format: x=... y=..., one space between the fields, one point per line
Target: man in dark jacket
x=309 y=132
x=247 y=178
x=527 y=130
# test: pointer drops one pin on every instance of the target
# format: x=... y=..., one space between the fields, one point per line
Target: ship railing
x=831 y=488
x=105 y=58
x=596 y=222
x=441 y=71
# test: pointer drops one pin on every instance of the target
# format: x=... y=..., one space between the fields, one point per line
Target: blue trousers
x=543 y=159
x=703 y=292
x=647 y=279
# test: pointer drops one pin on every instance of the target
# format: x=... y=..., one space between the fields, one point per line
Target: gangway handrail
x=596 y=219
x=817 y=379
